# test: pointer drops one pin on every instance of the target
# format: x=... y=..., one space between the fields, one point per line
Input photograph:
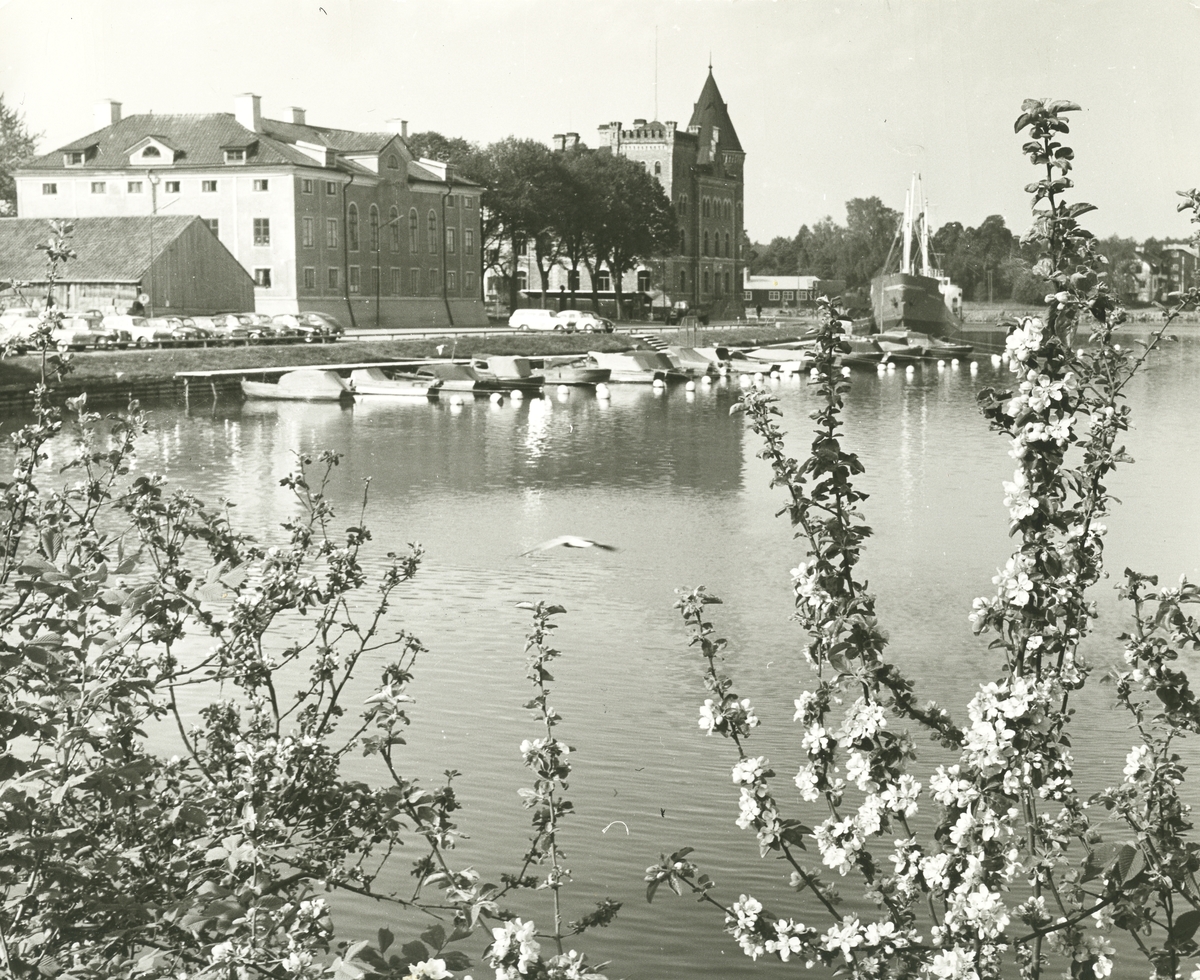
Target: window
x=604 y=280
x=262 y=231
x=727 y=253
x=706 y=280
x=452 y=281
x=397 y=282
x=355 y=279
x=657 y=169
x=307 y=232
x=704 y=207
x=789 y=294
x=310 y=277
x=151 y=152
x=262 y=185
x=235 y=156
x=573 y=279
x=682 y=280
x=352 y=228
x=393 y=163
x=717 y=284
x=99 y=187
x=74 y=158
x=414 y=282
x=172 y=186
x=469 y=241
x=435 y=285
x=134 y=187
x=412 y=231
x=394 y=228
x=49 y=188
x=773 y=294
x=450 y=243
x=706 y=243
x=208 y=187
x=330 y=188
x=523 y=248
x=643 y=279
x=334 y=277
x=262 y=277
x=682 y=203
x=306 y=185
x=748 y=296
x=373 y=222
x=522 y=280
x=450 y=201
x=331 y=232
x=682 y=241
x=468 y=201
x=214 y=224
x=469 y=282
x=432 y=233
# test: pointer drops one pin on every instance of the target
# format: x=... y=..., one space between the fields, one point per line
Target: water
x=672 y=480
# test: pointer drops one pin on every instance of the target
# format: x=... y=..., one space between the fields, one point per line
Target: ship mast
x=907 y=231
x=925 y=269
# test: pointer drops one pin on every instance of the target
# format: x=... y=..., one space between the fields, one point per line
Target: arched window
x=394 y=225
x=352 y=228
x=412 y=230
x=373 y=219
x=727 y=252
x=151 y=151
x=433 y=239
x=657 y=169
x=706 y=243
x=682 y=241
x=393 y=162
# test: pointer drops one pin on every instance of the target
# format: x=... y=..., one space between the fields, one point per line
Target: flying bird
x=567 y=541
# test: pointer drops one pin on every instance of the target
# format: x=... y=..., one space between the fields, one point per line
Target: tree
x=578 y=207
x=870 y=230
x=447 y=149
x=16 y=146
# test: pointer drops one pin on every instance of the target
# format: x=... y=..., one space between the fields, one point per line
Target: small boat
x=801 y=356
x=907 y=345
x=693 y=362
x=510 y=372
x=373 y=382
x=465 y=378
x=570 y=370
x=304 y=386
x=638 y=366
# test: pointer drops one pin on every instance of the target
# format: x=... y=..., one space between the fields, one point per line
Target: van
x=537 y=320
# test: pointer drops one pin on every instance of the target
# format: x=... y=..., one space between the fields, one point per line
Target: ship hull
x=905 y=301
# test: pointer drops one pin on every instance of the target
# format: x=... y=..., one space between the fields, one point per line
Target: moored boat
x=465 y=378
x=637 y=366
x=570 y=370
x=692 y=362
x=373 y=382
x=509 y=372
x=308 y=385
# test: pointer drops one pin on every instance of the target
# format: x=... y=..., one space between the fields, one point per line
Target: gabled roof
x=107 y=249
x=710 y=110
x=342 y=140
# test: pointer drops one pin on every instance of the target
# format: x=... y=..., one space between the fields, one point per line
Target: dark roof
x=343 y=140
x=107 y=249
x=710 y=110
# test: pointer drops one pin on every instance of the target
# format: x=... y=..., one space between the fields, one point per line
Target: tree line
x=989 y=262
x=589 y=209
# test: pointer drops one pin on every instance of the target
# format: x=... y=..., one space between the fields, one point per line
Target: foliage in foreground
x=1020 y=868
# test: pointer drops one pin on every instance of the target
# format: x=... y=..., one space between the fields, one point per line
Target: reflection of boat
x=303 y=386
x=570 y=370
x=637 y=366
x=373 y=382
x=924 y=301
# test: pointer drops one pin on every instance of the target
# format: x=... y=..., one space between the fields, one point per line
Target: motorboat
x=693 y=362
x=465 y=378
x=797 y=355
x=509 y=371
x=374 y=382
x=916 y=299
x=907 y=345
x=637 y=366
x=570 y=370
x=308 y=385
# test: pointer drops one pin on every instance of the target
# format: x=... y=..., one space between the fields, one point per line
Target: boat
x=373 y=382
x=692 y=362
x=510 y=372
x=308 y=385
x=924 y=300
x=799 y=355
x=570 y=370
x=638 y=366
x=465 y=378
x=907 y=345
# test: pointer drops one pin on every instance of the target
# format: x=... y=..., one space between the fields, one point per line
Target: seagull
x=567 y=541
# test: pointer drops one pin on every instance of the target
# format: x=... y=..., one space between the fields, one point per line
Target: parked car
x=310 y=325
x=18 y=325
x=78 y=332
x=141 y=330
x=586 y=321
x=536 y=320
x=226 y=327
x=203 y=326
x=262 y=326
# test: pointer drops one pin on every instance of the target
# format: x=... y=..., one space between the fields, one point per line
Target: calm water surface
x=673 y=481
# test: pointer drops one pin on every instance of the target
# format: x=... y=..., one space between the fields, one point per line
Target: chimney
x=247 y=109
x=560 y=141
x=399 y=126
x=639 y=122
x=298 y=116
x=571 y=141
x=106 y=112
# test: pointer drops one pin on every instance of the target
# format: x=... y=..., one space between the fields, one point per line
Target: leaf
x=1125 y=860
x=457 y=960
x=385 y=940
x=1185 y=926
x=435 y=936
x=414 y=952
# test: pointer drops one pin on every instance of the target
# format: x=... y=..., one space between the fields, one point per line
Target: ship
x=918 y=300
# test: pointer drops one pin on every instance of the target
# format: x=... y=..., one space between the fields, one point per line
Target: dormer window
x=393 y=162
x=74 y=159
x=237 y=155
x=151 y=152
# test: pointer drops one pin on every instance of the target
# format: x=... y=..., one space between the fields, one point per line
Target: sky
x=831 y=99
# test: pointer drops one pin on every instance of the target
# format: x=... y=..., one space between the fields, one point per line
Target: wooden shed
x=176 y=260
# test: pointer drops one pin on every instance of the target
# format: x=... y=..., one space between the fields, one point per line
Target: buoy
x=845 y=372
x=910 y=370
x=516 y=395
x=689 y=396
x=496 y=398
x=758 y=376
x=995 y=360
x=775 y=375
x=690 y=386
x=602 y=390
x=658 y=383
x=744 y=380
x=891 y=366
x=814 y=373
x=564 y=390
x=974 y=367
x=706 y=380
x=954 y=362
x=456 y=400
x=941 y=365
x=722 y=370
x=881 y=368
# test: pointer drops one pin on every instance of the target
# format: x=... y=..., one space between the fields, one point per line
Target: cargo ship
x=921 y=300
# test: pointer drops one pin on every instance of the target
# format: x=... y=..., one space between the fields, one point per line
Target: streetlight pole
x=154 y=179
